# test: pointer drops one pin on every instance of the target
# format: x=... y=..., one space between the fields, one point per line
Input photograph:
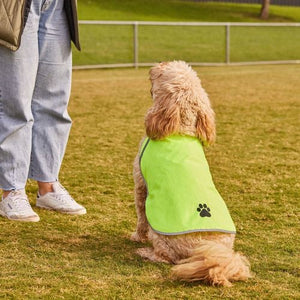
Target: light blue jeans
x=35 y=86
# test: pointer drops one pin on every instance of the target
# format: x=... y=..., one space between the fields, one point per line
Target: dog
x=178 y=207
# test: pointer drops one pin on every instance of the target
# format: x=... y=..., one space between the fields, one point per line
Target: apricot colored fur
x=181 y=105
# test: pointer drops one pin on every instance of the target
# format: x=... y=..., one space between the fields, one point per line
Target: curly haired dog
x=178 y=208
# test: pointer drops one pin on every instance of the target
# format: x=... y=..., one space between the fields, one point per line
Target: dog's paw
x=137 y=238
x=204 y=210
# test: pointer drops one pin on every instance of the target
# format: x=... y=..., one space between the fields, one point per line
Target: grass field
x=255 y=165
x=113 y=44
x=176 y=10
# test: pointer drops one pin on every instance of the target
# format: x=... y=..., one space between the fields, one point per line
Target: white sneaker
x=15 y=206
x=60 y=200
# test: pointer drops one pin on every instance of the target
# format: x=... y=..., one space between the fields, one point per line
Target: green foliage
x=254 y=163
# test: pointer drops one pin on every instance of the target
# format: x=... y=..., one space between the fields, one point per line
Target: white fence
x=227 y=25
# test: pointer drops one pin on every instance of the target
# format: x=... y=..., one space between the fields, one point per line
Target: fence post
x=135 y=44
x=228 y=43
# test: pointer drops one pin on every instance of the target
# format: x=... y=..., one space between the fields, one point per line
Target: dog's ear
x=162 y=118
x=205 y=125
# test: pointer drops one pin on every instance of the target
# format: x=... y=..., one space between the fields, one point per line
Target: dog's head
x=180 y=103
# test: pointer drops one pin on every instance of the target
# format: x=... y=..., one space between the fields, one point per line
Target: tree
x=264 y=13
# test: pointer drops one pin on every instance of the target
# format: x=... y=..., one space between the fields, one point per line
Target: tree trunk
x=264 y=13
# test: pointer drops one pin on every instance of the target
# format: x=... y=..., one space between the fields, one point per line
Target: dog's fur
x=182 y=106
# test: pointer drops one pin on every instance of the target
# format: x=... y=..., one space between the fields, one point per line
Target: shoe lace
x=63 y=195
x=19 y=200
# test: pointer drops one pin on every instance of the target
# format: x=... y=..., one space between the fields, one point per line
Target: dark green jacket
x=13 y=16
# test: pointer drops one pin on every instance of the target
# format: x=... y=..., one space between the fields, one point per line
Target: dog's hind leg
x=162 y=250
x=150 y=254
x=140 y=193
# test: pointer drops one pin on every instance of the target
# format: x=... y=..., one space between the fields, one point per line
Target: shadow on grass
x=116 y=253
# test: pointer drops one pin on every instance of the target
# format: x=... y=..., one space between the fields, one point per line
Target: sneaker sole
x=27 y=219
x=77 y=212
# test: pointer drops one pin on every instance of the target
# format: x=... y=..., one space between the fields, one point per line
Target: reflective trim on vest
x=182 y=197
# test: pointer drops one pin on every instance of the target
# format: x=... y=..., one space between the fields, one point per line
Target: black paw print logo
x=204 y=210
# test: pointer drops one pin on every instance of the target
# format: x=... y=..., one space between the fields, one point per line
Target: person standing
x=35 y=84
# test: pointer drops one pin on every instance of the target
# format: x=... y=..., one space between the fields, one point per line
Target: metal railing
x=227 y=25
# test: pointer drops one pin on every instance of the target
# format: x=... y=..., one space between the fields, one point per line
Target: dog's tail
x=213 y=263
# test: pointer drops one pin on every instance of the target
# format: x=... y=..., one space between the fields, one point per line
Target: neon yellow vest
x=182 y=197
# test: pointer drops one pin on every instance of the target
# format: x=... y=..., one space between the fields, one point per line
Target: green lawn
x=176 y=10
x=255 y=165
x=107 y=44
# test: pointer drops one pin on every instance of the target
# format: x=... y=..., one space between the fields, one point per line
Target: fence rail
x=227 y=25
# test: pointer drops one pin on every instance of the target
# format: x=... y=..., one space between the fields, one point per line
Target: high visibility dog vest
x=182 y=197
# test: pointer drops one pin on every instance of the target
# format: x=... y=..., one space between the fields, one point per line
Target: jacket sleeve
x=71 y=12
x=13 y=16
